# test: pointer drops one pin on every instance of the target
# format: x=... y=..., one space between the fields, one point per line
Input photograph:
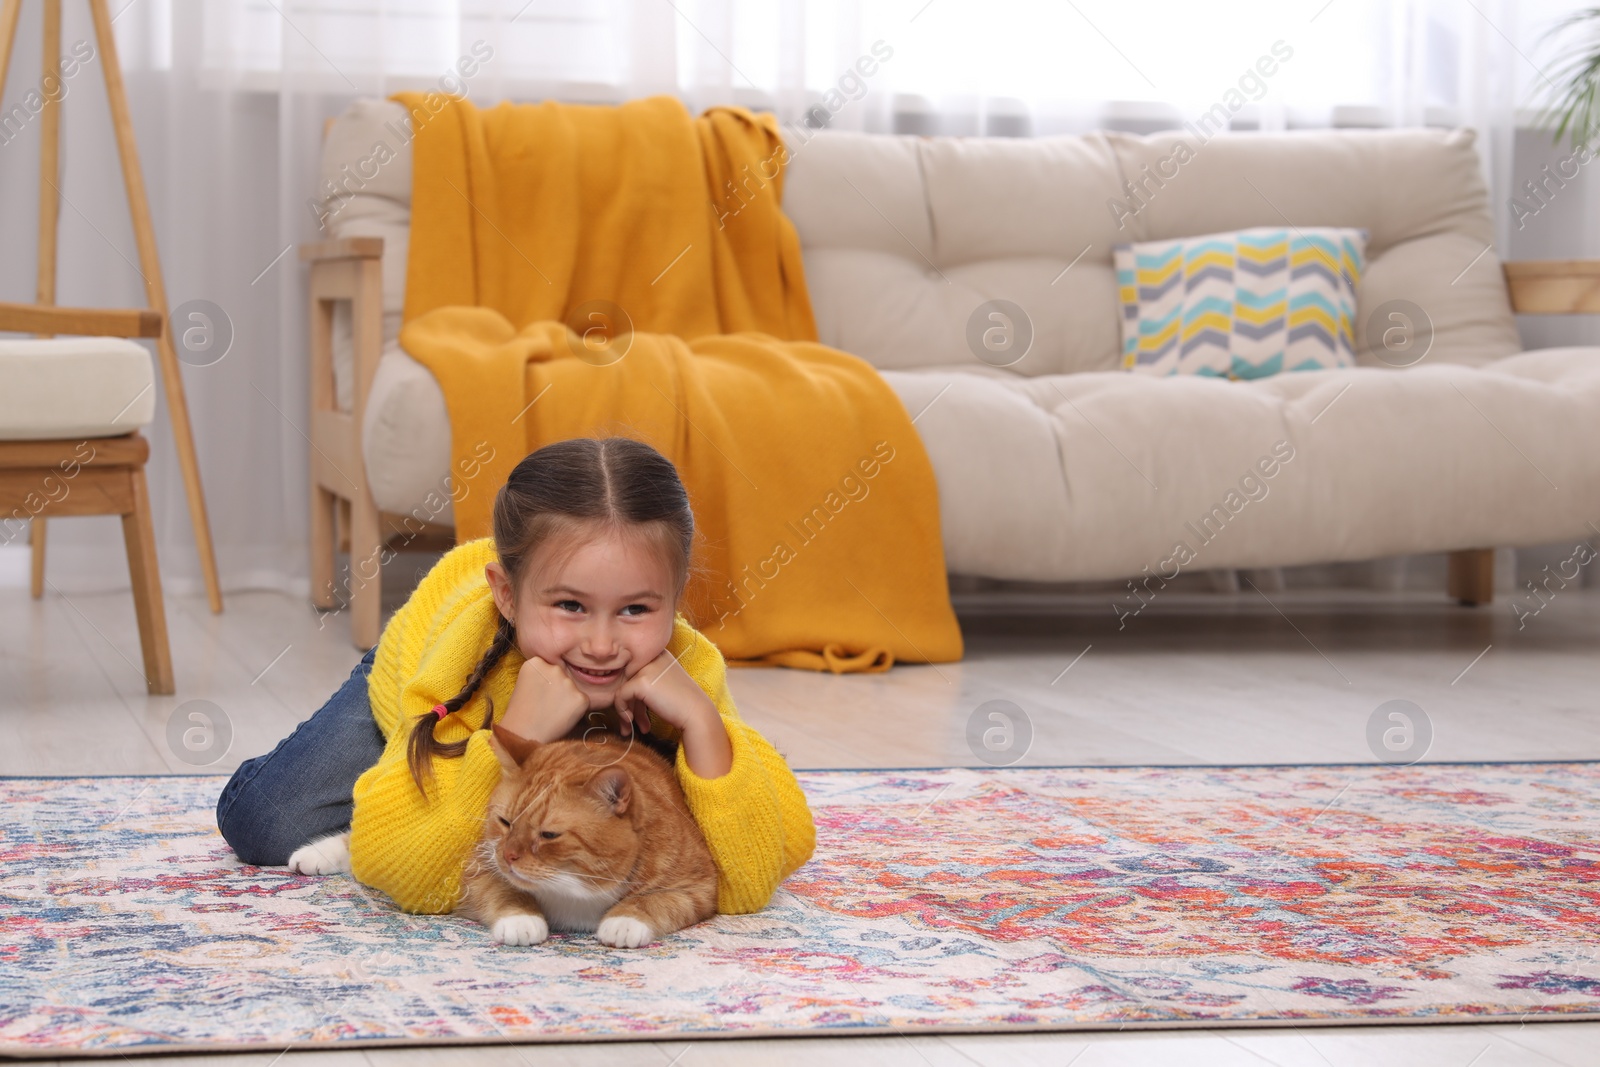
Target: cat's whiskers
x=492 y=858
x=599 y=877
x=534 y=885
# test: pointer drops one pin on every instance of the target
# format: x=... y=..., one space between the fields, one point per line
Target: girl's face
x=603 y=614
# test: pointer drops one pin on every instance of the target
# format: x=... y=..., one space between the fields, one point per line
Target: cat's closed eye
x=549 y=835
x=503 y=820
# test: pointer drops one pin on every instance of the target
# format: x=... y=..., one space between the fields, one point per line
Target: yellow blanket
x=818 y=507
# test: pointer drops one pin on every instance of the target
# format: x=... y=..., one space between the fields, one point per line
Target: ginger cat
x=582 y=835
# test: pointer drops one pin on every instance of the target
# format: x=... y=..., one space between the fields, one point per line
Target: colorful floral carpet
x=938 y=901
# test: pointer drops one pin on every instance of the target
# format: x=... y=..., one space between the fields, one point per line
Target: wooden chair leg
x=1471 y=576
x=366 y=573
x=342 y=525
x=36 y=542
x=323 y=506
x=49 y=217
x=139 y=534
x=10 y=12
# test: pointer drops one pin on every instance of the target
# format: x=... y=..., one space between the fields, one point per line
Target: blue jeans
x=301 y=790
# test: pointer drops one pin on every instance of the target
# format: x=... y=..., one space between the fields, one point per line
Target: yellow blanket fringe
x=818 y=512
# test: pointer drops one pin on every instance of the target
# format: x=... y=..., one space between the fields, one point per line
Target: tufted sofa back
x=904 y=236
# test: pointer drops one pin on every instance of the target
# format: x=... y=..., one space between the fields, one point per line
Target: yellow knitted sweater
x=754 y=817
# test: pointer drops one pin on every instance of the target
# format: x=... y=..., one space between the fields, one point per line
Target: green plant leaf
x=1572 y=98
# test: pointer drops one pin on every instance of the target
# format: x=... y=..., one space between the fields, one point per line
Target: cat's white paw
x=619 y=931
x=520 y=930
x=327 y=855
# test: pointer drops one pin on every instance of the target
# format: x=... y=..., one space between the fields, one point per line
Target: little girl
x=565 y=621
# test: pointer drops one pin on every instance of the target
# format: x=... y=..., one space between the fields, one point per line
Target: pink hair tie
x=440 y=710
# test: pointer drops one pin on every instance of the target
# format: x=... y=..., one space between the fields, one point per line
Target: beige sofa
x=1059 y=466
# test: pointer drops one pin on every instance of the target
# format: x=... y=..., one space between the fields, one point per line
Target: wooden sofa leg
x=36 y=543
x=1471 y=578
x=323 y=505
x=139 y=535
x=366 y=574
x=342 y=523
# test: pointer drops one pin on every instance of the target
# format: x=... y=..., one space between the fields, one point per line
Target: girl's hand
x=545 y=703
x=664 y=689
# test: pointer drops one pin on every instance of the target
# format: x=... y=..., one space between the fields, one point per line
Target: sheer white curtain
x=229 y=98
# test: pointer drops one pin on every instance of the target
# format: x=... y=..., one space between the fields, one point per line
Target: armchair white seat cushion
x=74 y=387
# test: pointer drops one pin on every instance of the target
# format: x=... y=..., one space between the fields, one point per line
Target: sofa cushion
x=1240 y=305
x=1094 y=476
x=74 y=387
x=366 y=161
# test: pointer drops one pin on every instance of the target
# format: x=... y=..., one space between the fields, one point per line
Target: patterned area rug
x=938 y=901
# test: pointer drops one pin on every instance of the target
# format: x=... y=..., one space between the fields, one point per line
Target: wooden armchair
x=1537 y=287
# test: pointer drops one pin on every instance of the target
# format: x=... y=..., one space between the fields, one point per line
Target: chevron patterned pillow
x=1240 y=305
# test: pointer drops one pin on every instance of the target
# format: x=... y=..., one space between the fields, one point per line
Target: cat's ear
x=512 y=751
x=613 y=788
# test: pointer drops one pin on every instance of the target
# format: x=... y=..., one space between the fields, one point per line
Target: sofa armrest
x=345 y=268
x=1554 y=286
x=343 y=248
x=349 y=268
x=95 y=322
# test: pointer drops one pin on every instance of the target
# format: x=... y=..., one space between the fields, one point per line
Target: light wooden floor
x=1195 y=679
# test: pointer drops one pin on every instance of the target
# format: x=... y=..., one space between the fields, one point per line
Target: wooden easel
x=144 y=236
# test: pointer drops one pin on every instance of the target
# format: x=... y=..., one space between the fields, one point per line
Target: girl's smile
x=597 y=678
